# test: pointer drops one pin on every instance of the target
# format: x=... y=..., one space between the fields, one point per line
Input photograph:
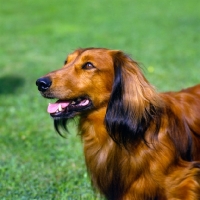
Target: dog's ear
x=133 y=102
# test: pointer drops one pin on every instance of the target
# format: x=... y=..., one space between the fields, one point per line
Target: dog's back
x=186 y=104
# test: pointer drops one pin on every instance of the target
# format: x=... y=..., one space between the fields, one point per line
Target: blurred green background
x=35 y=38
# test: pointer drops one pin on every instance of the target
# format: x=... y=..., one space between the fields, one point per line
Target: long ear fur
x=133 y=104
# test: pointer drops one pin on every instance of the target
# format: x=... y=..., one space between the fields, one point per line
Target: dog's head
x=84 y=83
x=93 y=78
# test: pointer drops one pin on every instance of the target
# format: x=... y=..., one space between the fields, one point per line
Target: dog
x=138 y=144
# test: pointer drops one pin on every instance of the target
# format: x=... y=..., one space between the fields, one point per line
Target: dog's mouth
x=69 y=108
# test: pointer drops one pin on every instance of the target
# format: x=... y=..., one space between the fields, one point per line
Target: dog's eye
x=88 y=65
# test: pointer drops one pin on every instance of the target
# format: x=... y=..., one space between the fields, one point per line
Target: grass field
x=36 y=36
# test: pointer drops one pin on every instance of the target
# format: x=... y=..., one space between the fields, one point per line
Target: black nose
x=43 y=84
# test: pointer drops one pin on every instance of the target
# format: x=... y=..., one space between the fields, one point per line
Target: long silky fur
x=180 y=129
x=127 y=119
x=132 y=110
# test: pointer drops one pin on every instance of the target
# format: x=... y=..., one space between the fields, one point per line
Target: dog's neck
x=93 y=131
x=98 y=146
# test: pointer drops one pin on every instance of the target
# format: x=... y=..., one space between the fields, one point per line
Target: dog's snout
x=43 y=84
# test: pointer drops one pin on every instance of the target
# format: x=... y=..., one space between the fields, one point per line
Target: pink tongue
x=53 y=107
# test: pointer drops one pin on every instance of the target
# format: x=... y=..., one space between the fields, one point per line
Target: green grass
x=36 y=36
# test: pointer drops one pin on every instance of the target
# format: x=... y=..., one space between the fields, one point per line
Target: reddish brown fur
x=156 y=169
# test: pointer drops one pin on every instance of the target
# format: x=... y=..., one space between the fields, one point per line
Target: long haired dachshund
x=138 y=144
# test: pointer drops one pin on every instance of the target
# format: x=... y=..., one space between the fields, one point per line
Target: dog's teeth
x=73 y=102
x=59 y=107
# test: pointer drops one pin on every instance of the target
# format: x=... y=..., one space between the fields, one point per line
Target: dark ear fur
x=131 y=110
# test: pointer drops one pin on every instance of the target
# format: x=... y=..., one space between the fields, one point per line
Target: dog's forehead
x=95 y=55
